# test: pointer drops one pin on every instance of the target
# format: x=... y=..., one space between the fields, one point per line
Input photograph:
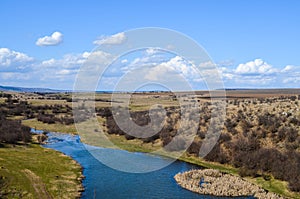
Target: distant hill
x=230 y=91
x=29 y=90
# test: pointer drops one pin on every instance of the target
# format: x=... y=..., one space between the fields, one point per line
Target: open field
x=35 y=172
x=254 y=93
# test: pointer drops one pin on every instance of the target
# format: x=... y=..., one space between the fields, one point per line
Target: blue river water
x=104 y=182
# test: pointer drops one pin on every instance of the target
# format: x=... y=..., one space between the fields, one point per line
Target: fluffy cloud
x=255 y=74
x=53 y=40
x=288 y=68
x=68 y=61
x=175 y=72
x=124 y=61
x=52 y=73
x=19 y=69
x=118 y=38
x=255 y=81
x=11 y=60
x=257 y=66
x=258 y=73
x=291 y=76
x=154 y=65
x=14 y=75
x=63 y=70
x=292 y=80
x=151 y=51
x=161 y=71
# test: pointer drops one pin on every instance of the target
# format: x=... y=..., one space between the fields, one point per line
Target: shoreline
x=79 y=187
x=270 y=186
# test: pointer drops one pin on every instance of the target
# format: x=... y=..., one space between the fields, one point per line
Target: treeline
x=141 y=118
x=45 y=113
x=12 y=131
x=255 y=160
x=51 y=119
x=261 y=144
x=240 y=144
x=50 y=114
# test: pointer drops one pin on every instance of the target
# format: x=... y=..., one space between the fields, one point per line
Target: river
x=103 y=182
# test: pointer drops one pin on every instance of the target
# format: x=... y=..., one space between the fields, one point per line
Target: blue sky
x=250 y=41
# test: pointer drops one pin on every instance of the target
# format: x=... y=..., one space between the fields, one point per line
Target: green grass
x=35 y=172
x=275 y=186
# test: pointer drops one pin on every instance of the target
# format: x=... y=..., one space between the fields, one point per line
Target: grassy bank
x=35 y=172
x=273 y=185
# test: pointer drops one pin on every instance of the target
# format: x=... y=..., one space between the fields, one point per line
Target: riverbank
x=31 y=171
x=213 y=182
x=272 y=185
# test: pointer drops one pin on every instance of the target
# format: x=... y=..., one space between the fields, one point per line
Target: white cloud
x=257 y=73
x=68 y=61
x=124 y=61
x=255 y=81
x=160 y=72
x=151 y=51
x=63 y=72
x=17 y=68
x=52 y=73
x=228 y=76
x=225 y=63
x=118 y=38
x=258 y=66
x=11 y=60
x=207 y=65
x=171 y=69
x=86 y=54
x=14 y=76
x=148 y=58
x=49 y=62
x=288 y=68
x=292 y=80
x=291 y=75
x=53 y=40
